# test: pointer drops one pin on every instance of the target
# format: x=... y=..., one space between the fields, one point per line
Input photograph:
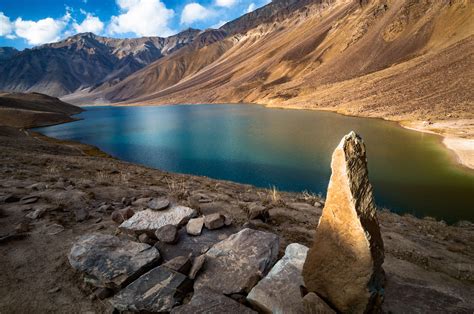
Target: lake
x=291 y=149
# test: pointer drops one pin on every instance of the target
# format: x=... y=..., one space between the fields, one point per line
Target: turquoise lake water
x=411 y=172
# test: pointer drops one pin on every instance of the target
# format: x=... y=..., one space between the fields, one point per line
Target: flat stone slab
x=194 y=245
x=159 y=290
x=279 y=291
x=237 y=263
x=149 y=220
x=110 y=261
x=209 y=302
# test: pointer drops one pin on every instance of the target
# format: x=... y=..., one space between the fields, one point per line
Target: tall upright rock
x=344 y=265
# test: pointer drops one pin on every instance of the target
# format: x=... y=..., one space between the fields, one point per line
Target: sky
x=28 y=23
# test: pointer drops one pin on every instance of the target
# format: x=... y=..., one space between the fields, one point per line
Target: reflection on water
x=290 y=149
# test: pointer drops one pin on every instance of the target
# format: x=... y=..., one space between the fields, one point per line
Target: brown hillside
x=394 y=59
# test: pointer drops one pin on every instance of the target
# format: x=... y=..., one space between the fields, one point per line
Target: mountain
x=7 y=52
x=84 y=60
x=22 y=110
x=392 y=59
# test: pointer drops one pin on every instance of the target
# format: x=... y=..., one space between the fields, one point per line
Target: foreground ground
x=429 y=265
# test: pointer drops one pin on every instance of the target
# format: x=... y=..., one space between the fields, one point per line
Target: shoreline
x=460 y=148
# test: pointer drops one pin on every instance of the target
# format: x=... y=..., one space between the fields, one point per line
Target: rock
x=9 y=199
x=315 y=305
x=159 y=290
x=194 y=226
x=279 y=291
x=104 y=208
x=54 y=290
x=158 y=203
x=120 y=215
x=193 y=245
x=197 y=265
x=208 y=301
x=344 y=265
x=22 y=227
x=214 y=221
x=111 y=262
x=149 y=220
x=227 y=220
x=181 y=264
x=29 y=200
x=144 y=238
x=103 y=293
x=54 y=229
x=257 y=211
x=38 y=213
x=81 y=214
x=167 y=234
x=237 y=263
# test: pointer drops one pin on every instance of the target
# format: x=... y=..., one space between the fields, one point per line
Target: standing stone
x=111 y=262
x=198 y=262
x=150 y=220
x=159 y=290
x=236 y=264
x=279 y=291
x=194 y=226
x=344 y=265
x=214 y=221
x=167 y=234
x=209 y=302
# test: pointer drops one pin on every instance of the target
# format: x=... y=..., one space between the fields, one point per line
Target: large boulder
x=159 y=290
x=279 y=291
x=150 y=220
x=208 y=301
x=111 y=262
x=237 y=263
x=344 y=265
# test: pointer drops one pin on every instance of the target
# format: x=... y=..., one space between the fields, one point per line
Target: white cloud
x=194 y=12
x=143 y=18
x=226 y=3
x=89 y=24
x=6 y=27
x=42 y=31
x=251 y=7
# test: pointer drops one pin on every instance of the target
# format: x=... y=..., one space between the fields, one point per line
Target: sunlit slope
x=396 y=59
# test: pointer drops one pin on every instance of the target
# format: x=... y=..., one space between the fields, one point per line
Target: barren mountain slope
x=83 y=60
x=31 y=110
x=394 y=59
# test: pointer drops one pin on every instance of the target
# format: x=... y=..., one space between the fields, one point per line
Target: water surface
x=291 y=149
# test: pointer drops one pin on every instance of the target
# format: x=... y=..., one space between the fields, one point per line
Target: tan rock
x=344 y=265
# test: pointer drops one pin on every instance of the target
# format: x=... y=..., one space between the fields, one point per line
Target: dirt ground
x=429 y=265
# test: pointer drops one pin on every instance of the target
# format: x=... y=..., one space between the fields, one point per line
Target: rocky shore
x=54 y=193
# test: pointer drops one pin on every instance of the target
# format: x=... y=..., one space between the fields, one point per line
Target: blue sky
x=27 y=23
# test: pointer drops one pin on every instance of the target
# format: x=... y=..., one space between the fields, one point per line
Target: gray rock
x=315 y=305
x=193 y=245
x=37 y=213
x=150 y=220
x=198 y=262
x=236 y=264
x=167 y=234
x=214 y=221
x=29 y=200
x=81 y=214
x=210 y=302
x=159 y=290
x=158 y=203
x=111 y=262
x=144 y=238
x=279 y=291
x=194 y=226
x=257 y=211
x=120 y=215
x=181 y=264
